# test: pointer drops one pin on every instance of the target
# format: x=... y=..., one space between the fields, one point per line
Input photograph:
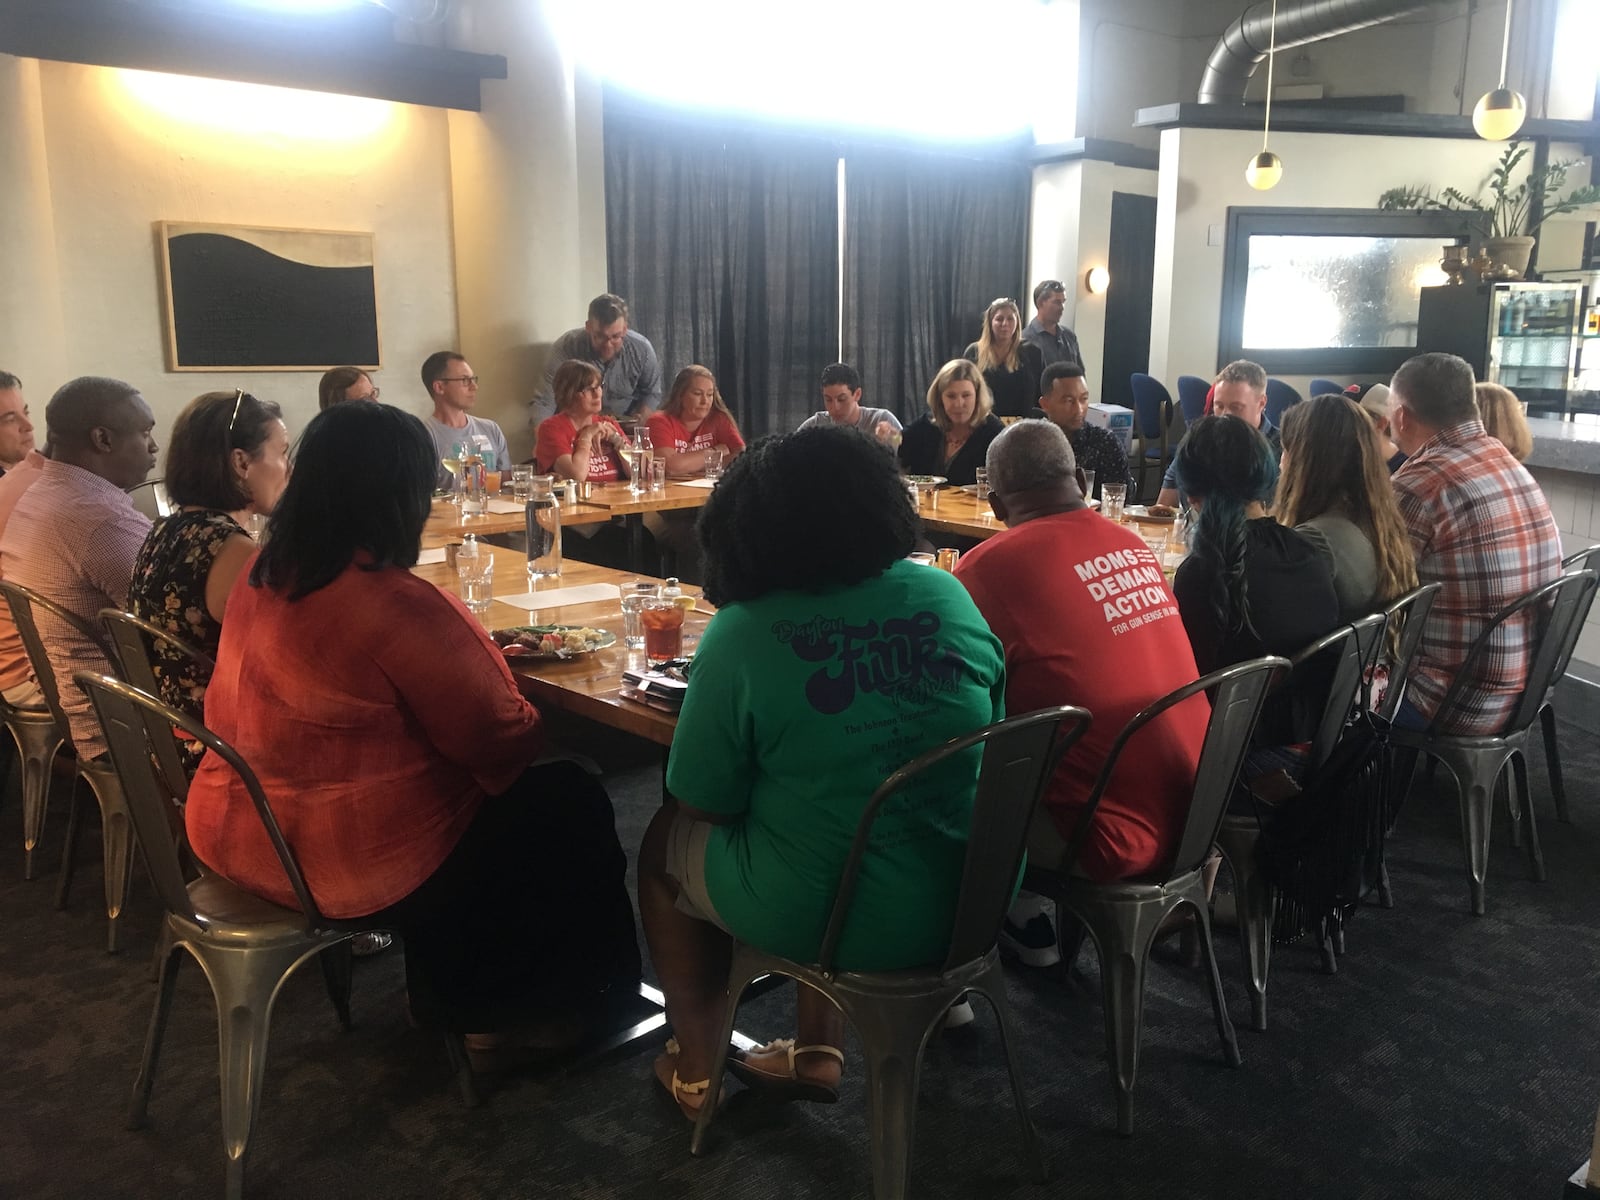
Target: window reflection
x=1314 y=292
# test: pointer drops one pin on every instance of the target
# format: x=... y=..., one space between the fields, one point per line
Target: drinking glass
x=638 y=470
x=980 y=485
x=258 y=527
x=542 y=526
x=634 y=594
x=477 y=582
x=521 y=483
x=491 y=482
x=920 y=558
x=663 y=629
x=1088 y=485
x=714 y=462
x=474 y=494
x=1112 y=498
x=658 y=474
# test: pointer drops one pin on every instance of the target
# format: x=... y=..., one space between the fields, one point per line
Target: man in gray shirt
x=453 y=388
x=629 y=370
x=1056 y=342
x=841 y=399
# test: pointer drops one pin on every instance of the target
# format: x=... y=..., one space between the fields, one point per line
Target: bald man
x=74 y=534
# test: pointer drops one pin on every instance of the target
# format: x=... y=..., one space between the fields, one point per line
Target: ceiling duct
x=1244 y=43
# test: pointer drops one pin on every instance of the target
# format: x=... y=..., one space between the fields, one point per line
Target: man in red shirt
x=1086 y=617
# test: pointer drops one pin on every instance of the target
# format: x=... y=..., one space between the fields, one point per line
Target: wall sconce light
x=1500 y=113
x=1266 y=168
x=1097 y=280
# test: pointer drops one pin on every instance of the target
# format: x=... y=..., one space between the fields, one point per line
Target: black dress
x=922 y=450
x=1016 y=393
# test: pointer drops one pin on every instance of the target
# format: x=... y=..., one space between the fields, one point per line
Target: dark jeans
x=529 y=916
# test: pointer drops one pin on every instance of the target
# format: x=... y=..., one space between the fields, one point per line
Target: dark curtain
x=930 y=240
x=1131 y=262
x=724 y=244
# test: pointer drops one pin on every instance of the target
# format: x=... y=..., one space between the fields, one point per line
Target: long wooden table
x=620 y=500
x=447 y=524
x=951 y=510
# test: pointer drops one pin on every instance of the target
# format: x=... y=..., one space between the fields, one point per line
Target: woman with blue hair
x=1249 y=586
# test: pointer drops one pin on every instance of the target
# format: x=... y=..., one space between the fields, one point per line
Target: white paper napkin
x=588 y=593
x=504 y=506
x=699 y=483
x=429 y=557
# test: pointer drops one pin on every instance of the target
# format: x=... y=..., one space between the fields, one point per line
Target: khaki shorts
x=686 y=864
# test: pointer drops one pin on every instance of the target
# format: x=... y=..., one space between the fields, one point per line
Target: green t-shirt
x=799 y=705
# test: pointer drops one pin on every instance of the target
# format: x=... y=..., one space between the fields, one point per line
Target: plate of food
x=925 y=481
x=1152 y=514
x=551 y=641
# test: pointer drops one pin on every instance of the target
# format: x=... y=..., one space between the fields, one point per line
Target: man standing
x=841 y=400
x=453 y=388
x=16 y=430
x=1064 y=400
x=629 y=370
x=1240 y=390
x=74 y=534
x=1086 y=617
x=1480 y=526
x=1055 y=342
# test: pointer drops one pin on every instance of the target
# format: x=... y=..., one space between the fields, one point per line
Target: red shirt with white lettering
x=667 y=432
x=1086 y=617
x=559 y=433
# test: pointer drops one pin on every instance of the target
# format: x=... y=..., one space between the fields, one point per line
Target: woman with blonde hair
x=1010 y=366
x=953 y=436
x=1503 y=419
x=693 y=419
x=1335 y=492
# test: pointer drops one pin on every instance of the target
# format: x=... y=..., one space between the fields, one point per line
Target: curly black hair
x=803 y=512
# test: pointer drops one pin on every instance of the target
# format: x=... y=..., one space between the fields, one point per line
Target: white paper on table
x=429 y=557
x=588 y=593
x=504 y=506
x=699 y=483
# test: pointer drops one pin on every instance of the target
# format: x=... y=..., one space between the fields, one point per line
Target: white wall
x=1202 y=174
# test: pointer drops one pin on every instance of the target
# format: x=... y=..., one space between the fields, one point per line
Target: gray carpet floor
x=1449 y=1057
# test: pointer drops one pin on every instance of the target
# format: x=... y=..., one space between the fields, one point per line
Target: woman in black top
x=1249 y=586
x=952 y=438
x=1010 y=366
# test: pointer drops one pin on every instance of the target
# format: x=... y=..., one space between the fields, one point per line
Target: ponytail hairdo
x=1227 y=466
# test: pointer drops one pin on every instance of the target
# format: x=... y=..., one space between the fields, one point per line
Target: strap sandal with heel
x=787 y=1083
x=690 y=1097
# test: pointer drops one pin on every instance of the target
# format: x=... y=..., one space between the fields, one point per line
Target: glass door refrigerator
x=1585 y=393
x=1524 y=336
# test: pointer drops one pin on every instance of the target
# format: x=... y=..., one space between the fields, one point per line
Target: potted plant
x=1500 y=212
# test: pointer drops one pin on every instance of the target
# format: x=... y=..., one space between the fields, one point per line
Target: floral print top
x=169 y=591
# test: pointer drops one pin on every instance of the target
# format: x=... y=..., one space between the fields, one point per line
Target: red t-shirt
x=1087 y=618
x=667 y=432
x=559 y=433
x=377 y=714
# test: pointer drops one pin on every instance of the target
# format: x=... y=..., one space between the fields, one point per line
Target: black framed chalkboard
x=245 y=298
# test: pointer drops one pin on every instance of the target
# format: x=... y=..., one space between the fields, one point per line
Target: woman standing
x=952 y=437
x=1010 y=366
x=396 y=747
x=1335 y=492
x=692 y=421
x=576 y=441
x=774 y=757
x=228 y=460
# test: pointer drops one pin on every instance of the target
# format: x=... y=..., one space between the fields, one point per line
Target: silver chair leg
x=1552 y=761
x=169 y=957
x=1257 y=905
x=1476 y=771
x=1219 y=1002
x=719 y=1059
x=893 y=1050
x=1519 y=769
x=37 y=746
x=994 y=991
x=116 y=834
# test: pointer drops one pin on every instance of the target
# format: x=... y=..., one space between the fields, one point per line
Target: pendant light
x=1266 y=168
x=1500 y=113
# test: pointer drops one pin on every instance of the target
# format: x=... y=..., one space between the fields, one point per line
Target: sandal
x=787 y=1084
x=690 y=1097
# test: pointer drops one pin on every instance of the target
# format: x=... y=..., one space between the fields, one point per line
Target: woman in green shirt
x=832 y=662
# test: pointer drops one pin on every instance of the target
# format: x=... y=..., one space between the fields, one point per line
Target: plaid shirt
x=1480 y=526
x=72 y=538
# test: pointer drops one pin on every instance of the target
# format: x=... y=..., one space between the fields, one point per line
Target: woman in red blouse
x=394 y=746
x=693 y=419
x=576 y=441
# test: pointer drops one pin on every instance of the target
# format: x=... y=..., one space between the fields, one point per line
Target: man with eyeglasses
x=74 y=534
x=1055 y=341
x=629 y=369
x=453 y=388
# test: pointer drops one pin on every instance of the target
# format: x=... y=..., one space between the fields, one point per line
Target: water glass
x=714 y=462
x=1088 y=485
x=638 y=470
x=634 y=595
x=477 y=581
x=1112 y=498
x=258 y=527
x=980 y=485
x=658 y=474
x=521 y=483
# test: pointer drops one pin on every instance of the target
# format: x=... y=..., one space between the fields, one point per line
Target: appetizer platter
x=925 y=481
x=1152 y=514
x=551 y=641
